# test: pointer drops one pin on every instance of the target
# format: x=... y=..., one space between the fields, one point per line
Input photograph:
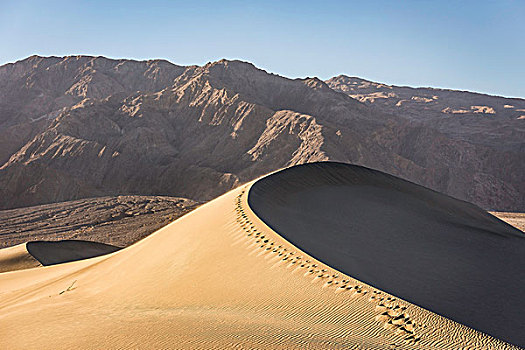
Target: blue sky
x=468 y=45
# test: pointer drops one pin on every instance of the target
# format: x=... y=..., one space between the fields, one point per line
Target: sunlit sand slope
x=217 y=278
x=515 y=219
x=16 y=258
x=443 y=254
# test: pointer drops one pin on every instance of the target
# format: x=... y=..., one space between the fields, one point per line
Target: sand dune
x=52 y=253
x=217 y=278
x=446 y=255
x=42 y=253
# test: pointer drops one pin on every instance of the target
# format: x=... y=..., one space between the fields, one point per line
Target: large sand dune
x=443 y=254
x=217 y=278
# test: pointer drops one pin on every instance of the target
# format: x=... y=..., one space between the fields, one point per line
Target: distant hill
x=77 y=127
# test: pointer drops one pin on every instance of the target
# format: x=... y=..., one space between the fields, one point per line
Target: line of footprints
x=393 y=316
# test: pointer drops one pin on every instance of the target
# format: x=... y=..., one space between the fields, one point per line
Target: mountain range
x=80 y=126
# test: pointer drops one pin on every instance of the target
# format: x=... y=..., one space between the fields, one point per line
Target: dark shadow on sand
x=51 y=253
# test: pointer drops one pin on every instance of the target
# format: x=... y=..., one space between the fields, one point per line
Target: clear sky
x=468 y=45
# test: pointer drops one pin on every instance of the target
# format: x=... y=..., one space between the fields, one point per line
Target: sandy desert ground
x=217 y=278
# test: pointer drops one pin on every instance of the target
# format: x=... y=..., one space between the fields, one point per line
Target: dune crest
x=216 y=278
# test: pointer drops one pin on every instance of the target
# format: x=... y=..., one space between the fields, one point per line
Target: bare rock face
x=34 y=91
x=476 y=118
x=112 y=127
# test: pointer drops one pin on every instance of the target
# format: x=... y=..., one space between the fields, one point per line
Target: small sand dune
x=43 y=253
x=52 y=253
x=217 y=278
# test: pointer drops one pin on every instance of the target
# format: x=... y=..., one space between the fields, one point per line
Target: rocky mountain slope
x=34 y=91
x=493 y=121
x=79 y=127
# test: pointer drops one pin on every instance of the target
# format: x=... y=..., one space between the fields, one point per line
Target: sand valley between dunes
x=217 y=278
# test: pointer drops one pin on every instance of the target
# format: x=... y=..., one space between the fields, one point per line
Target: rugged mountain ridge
x=34 y=91
x=124 y=127
x=478 y=118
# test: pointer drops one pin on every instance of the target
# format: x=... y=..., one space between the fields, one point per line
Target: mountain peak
x=315 y=83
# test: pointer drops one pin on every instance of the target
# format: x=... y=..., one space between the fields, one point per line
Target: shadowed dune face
x=443 y=254
x=51 y=253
